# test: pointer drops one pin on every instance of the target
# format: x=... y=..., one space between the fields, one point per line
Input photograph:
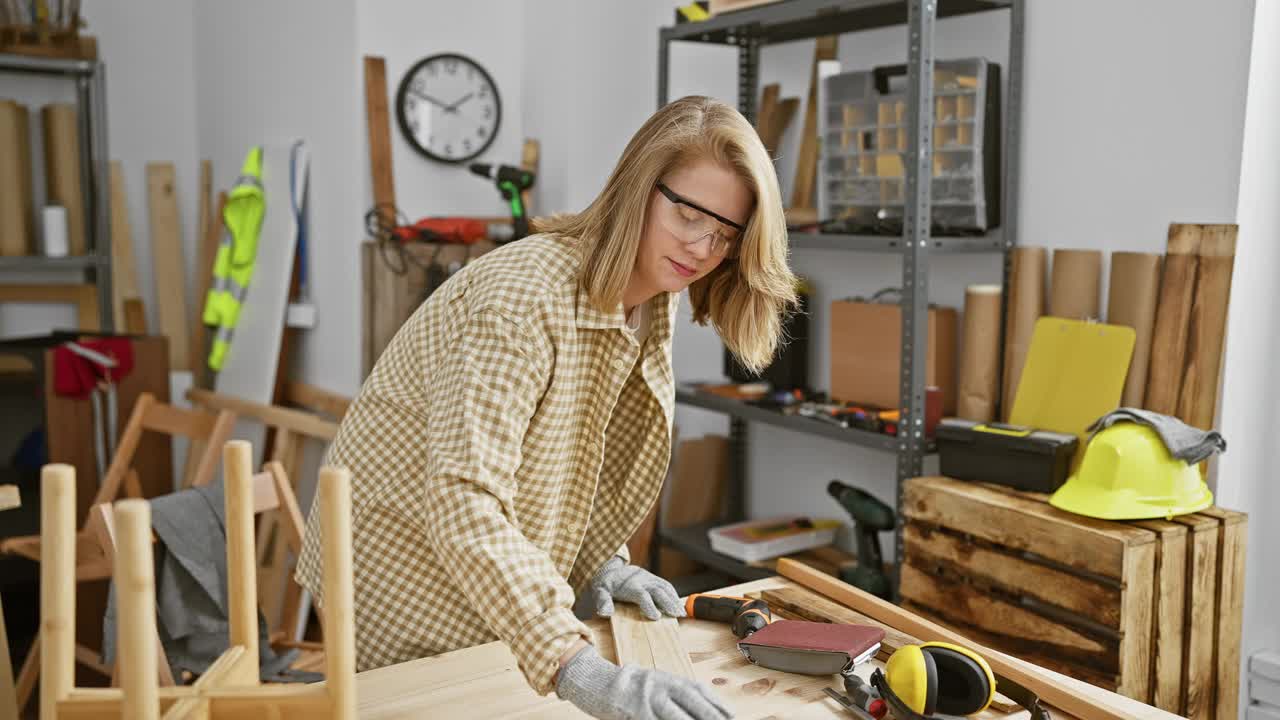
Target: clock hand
x=454 y=107
x=429 y=99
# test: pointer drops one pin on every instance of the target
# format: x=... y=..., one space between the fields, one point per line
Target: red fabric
x=853 y=640
x=76 y=376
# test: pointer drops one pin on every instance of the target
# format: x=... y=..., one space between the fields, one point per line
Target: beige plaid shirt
x=508 y=442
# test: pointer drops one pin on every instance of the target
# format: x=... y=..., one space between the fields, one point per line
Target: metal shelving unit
x=91 y=112
x=791 y=20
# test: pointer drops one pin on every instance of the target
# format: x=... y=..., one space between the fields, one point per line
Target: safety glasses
x=691 y=223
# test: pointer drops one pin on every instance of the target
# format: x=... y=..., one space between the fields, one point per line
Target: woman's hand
x=603 y=690
x=629 y=583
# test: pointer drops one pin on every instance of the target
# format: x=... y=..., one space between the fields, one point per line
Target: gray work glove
x=603 y=690
x=619 y=581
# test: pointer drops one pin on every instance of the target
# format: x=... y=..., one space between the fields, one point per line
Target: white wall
x=406 y=31
x=1246 y=470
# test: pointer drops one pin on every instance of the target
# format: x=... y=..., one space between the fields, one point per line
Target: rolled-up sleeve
x=483 y=394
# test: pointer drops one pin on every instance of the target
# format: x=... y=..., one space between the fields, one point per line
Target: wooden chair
x=202 y=429
x=271 y=491
x=230 y=688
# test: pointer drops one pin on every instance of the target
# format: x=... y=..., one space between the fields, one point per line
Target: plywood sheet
x=170 y=269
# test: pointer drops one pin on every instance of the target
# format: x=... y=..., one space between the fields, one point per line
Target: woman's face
x=683 y=239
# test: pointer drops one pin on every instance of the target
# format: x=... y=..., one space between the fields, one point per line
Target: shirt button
x=619 y=363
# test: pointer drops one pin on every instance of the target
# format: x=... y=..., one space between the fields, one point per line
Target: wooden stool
x=230 y=688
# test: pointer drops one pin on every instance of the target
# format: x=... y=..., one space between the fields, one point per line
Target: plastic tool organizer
x=865 y=147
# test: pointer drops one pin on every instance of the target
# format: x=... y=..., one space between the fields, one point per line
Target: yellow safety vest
x=233 y=265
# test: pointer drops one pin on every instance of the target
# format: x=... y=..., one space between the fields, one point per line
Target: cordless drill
x=870 y=517
x=511 y=182
x=744 y=615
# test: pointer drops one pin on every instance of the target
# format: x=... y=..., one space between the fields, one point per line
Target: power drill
x=511 y=182
x=870 y=517
x=745 y=615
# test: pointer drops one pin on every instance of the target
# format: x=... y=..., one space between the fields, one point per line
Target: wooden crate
x=1150 y=609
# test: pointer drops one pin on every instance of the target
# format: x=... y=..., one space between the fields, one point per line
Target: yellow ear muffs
x=965 y=683
x=912 y=675
x=937 y=677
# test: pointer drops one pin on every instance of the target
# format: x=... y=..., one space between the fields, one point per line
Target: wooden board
x=648 y=643
x=124 y=272
x=1233 y=532
x=198 y=335
x=9 y=497
x=169 y=268
x=807 y=163
x=1199 y=673
x=695 y=496
x=62 y=170
x=1173 y=319
x=379 y=126
x=1168 y=614
x=17 y=234
x=1198 y=400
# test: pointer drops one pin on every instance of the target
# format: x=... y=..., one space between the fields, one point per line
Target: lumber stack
x=1149 y=609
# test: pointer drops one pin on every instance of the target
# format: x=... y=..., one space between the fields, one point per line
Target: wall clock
x=448 y=108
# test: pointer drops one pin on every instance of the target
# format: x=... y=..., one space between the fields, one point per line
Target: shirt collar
x=661 y=318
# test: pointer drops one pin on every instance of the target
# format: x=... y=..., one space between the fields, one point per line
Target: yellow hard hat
x=1127 y=473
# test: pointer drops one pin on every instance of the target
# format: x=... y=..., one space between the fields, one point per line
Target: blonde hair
x=746 y=300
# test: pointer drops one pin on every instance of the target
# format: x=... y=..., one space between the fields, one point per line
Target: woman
x=518 y=427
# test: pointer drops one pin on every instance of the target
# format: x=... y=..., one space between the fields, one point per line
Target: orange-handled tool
x=745 y=615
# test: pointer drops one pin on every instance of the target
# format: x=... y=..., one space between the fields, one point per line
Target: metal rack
x=91 y=113
x=791 y=20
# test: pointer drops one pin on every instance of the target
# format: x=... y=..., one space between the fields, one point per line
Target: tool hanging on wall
x=512 y=181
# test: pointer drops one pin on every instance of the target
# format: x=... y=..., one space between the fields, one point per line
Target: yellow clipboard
x=1074 y=374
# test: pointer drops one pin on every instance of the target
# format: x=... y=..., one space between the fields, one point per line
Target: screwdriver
x=745 y=615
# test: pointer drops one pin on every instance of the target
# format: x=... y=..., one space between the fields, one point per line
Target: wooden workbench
x=484 y=681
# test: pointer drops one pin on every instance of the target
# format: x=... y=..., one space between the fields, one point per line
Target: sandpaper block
x=811 y=648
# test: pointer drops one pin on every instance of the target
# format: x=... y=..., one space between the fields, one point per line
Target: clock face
x=448 y=108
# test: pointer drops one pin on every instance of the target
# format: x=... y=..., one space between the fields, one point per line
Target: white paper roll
x=54 y=221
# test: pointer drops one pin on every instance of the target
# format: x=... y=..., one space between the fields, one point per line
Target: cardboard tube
x=15 y=181
x=1135 y=286
x=1025 y=306
x=1074 y=291
x=980 y=358
x=62 y=169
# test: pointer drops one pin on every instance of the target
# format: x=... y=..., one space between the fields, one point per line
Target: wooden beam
x=269 y=415
x=379 y=122
x=339 y=591
x=124 y=272
x=807 y=163
x=1173 y=319
x=1048 y=689
x=316 y=400
x=170 y=270
x=135 y=584
x=1198 y=401
x=57 y=585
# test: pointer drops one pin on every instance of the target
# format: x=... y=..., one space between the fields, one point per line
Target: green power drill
x=511 y=182
x=870 y=517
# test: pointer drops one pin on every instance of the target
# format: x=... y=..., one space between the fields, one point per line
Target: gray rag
x=191 y=589
x=1183 y=441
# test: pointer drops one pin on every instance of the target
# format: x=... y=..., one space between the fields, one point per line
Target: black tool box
x=1019 y=457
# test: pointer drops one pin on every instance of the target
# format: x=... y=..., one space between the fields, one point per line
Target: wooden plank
x=529 y=156
x=1136 y=612
x=807 y=163
x=990 y=566
x=379 y=127
x=169 y=267
x=1199 y=673
x=1096 y=678
x=696 y=494
x=1018 y=629
x=1168 y=613
x=135 y=317
x=649 y=643
x=1198 y=402
x=1173 y=318
x=208 y=234
x=62 y=171
x=1049 y=688
x=274 y=416
x=9 y=497
x=124 y=272
x=1019 y=523
x=174 y=420
x=316 y=399
x=1233 y=532
x=57 y=585
x=765 y=110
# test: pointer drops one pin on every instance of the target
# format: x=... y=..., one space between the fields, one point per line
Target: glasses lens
x=691 y=225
